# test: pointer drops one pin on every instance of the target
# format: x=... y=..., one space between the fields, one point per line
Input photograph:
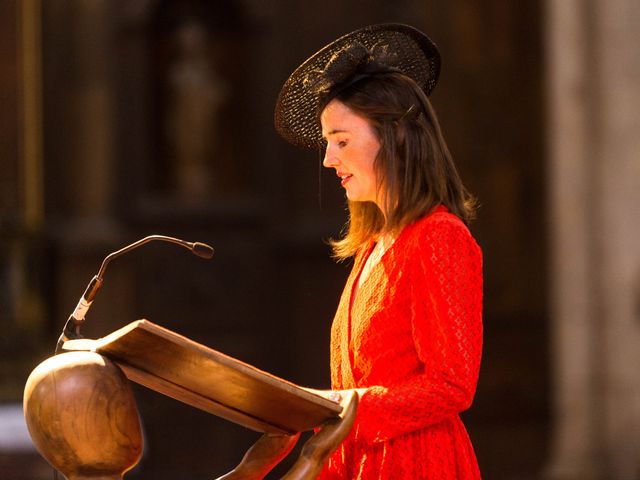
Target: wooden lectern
x=83 y=418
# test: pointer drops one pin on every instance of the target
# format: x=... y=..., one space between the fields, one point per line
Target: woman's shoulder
x=439 y=221
x=438 y=238
x=438 y=232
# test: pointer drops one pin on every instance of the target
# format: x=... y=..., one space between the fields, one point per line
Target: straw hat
x=371 y=50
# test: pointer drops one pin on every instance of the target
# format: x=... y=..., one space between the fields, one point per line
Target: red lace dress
x=413 y=336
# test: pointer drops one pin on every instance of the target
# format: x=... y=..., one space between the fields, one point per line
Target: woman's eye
x=342 y=143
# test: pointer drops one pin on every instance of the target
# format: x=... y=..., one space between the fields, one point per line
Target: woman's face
x=351 y=149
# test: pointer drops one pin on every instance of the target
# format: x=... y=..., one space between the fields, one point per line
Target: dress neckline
x=362 y=259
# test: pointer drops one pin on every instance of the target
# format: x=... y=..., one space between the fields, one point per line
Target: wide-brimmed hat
x=389 y=47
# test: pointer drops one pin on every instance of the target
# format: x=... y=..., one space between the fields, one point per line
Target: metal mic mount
x=71 y=329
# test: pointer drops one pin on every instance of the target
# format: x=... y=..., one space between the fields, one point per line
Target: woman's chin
x=355 y=196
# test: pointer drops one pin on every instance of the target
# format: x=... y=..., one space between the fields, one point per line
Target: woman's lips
x=345 y=178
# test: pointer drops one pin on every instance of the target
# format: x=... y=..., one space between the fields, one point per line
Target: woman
x=407 y=334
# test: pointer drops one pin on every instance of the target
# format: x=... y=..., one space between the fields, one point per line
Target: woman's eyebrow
x=334 y=131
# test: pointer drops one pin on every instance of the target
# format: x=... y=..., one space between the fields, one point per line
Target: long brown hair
x=414 y=167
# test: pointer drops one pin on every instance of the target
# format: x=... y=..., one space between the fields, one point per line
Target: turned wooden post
x=82 y=416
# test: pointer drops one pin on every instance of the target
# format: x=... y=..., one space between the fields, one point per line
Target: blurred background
x=124 y=118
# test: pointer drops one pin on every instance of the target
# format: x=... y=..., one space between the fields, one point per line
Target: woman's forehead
x=337 y=117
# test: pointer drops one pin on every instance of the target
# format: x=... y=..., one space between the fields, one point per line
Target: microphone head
x=202 y=250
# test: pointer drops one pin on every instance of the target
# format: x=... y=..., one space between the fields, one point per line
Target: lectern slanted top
x=204 y=378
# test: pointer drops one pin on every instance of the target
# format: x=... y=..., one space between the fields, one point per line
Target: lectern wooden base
x=83 y=419
x=82 y=416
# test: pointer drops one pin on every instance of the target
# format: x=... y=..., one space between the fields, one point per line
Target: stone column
x=575 y=445
x=617 y=56
x=81 y=57
x=87 y=106
x=594 y=178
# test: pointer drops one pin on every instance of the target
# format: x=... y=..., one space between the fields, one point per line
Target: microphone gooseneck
x=71 y=328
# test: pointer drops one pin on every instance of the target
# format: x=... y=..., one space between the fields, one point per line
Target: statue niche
x=195 y=96
x=197 y=86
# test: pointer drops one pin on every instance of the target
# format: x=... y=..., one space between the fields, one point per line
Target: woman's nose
x=329 y=160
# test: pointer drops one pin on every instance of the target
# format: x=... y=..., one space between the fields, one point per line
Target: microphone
x=71 y=329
